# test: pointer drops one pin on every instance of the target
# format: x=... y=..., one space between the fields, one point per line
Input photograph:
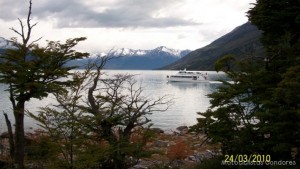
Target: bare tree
x=109 y=108
x=116 y=106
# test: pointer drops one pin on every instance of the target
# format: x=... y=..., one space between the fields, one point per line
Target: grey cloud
x=11 y=10
x=123 y=14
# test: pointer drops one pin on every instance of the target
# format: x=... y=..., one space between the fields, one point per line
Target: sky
x=135 y=24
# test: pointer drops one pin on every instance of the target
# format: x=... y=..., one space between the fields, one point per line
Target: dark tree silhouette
x=31 y=71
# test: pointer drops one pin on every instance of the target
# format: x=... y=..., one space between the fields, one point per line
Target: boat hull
x=187 y=80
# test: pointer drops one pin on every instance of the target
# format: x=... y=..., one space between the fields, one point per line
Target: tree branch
x=28 y=24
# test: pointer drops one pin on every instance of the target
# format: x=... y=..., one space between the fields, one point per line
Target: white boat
x=186 y=76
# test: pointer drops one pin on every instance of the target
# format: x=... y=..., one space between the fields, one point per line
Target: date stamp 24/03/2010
x=256 y=158
x=253 y=159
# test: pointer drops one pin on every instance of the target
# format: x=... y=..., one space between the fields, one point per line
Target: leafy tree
x=259 y=111
x=61 y=122
x=40 y=150
x=31 y=71
x=64 y=132
x=280 y=23
x=231 y=118
x=225 y=62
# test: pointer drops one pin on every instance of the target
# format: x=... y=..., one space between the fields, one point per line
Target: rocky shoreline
x=176 y=149
x=189 y=148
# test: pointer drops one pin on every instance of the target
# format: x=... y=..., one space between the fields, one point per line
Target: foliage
x=258 y=113
x=279 y=21
x=214 y=163
x=63 y=132
x=231 y=117
x=40 y=150
x=115 y=112
x=225 y=63
x=62 y=125
x=179 y=150
x=31 y=71
x=276 y=19
x=35 y=73
x=99 y=122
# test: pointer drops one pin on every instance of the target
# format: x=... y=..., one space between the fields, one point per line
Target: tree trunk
x=10 y=137
x=19 y=135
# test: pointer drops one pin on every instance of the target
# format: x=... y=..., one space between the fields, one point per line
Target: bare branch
x=34 y=41
x=34 y=25
x=16 y=31
x=22 y=28
x=25 y=39
x=99 y=65
x=28 y=24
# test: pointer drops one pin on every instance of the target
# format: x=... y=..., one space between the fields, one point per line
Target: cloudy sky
x=136 y=24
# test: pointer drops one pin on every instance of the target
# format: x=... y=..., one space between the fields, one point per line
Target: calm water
x=189 y=98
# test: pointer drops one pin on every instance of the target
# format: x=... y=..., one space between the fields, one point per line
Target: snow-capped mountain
x=127 y=58
x=95 y=55
x=5 y=44
x=126 y=52
x=137 y=59
x=174 y=52
x=157 y=51
x=144 y=59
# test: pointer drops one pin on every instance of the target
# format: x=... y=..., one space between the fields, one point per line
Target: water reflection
x=187 y=85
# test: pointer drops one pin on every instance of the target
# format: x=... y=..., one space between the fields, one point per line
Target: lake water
x=189 y=98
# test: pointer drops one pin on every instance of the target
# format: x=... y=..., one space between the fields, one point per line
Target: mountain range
x=243 y=41
x=4 y=44
x=143 y=59
x=127 y=58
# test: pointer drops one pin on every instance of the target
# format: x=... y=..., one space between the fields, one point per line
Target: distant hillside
x=243 y=41
x=127 y=58
x=139 y=59
x=4 y=44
